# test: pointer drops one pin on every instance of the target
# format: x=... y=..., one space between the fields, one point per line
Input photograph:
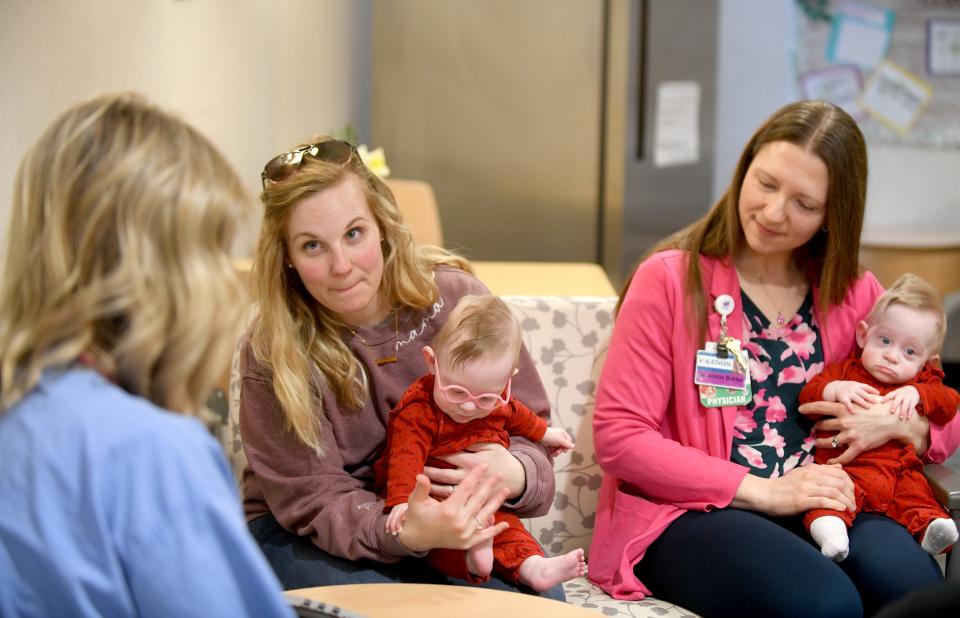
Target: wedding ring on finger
x=453 y=488
x=834 y=443
x=480 y=524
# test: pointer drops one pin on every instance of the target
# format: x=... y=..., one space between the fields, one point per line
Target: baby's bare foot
x=480 y=558
x=542 y=573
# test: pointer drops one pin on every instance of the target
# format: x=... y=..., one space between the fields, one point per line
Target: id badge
x=722 y=381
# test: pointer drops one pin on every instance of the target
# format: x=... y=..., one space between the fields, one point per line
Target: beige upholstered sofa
x=568 y=338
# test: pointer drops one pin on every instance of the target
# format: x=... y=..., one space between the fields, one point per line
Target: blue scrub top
x=111 y=506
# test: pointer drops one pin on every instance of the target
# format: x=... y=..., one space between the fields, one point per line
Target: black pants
x=731 y=562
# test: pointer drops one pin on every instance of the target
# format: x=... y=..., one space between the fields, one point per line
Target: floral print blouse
x=770 y=435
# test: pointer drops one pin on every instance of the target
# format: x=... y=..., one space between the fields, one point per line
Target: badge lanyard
x=722 y=372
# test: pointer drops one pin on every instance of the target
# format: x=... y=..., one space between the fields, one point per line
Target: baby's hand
x=396 y=518
x=851 y=393
x=558 y=441
x=905 y=400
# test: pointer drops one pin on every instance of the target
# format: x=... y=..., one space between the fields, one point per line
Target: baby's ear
x=429 y=358
x=862 y=328
x=935 y=361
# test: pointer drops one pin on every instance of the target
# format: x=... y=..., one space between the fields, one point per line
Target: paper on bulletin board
x=840 y=84
x=861 y=34
x=677 y=124
x=911 y=47
x=895 y=96
x=943 y=47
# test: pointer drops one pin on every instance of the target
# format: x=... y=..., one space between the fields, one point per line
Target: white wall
x=908 y=187
x=752 y=76
x=255 y=76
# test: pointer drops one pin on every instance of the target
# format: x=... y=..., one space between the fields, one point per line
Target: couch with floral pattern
x=567 y=337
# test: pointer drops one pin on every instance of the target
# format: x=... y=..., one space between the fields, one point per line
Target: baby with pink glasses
x=477 y=352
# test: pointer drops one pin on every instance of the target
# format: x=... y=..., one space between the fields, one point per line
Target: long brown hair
x=830 y=258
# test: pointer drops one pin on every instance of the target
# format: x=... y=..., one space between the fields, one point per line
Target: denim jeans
x=299 y=563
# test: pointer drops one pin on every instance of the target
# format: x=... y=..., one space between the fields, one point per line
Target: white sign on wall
x=677 y=124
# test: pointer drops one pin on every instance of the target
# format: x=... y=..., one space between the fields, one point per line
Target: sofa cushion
x=567 y=337
x=581 y=592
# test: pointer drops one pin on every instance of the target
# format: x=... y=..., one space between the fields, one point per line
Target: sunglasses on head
x=283 y=166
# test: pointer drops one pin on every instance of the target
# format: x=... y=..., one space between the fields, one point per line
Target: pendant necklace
x=384 y=360
x=758 y=280
x=781 y=319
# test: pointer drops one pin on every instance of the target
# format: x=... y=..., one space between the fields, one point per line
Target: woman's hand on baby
x=557 y=441
x=903 y=401
x=396 y=518
x=851 y=394
x=497 y=459
x=459 y=522
x=801 y=489
x=866 y=429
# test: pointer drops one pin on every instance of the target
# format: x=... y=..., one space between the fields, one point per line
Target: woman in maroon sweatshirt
x=346 y=302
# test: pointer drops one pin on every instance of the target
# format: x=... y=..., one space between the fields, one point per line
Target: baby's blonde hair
x=478 y=327
x=121 y=224
x=916 y=293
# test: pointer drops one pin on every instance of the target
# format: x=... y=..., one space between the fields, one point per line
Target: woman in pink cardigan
x=704 y=481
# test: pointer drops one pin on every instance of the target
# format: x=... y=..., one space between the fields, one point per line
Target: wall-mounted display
x=908 y=56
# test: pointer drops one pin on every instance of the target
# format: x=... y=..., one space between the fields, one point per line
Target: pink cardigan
x=662 y=452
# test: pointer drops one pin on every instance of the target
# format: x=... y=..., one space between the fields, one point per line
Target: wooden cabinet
x=931 y=254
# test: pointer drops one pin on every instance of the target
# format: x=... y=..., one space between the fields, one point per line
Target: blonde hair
x=297 y=337
x=830 y=258
x=478 y=327
x=122 y=219
x=914 y=293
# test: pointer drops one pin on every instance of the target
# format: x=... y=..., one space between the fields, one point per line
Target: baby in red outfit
x=465 y=400
x=899 y=363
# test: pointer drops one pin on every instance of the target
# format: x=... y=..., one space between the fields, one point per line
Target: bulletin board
x=892 y=64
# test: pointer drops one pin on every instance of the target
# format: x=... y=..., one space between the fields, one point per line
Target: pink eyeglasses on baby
x=459 y=394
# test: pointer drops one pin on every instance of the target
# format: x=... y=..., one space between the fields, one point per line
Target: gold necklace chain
x=384 y=360
x=781 y=319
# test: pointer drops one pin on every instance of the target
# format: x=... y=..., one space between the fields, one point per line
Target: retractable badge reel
x=722 y=374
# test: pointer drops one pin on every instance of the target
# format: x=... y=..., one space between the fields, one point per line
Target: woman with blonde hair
x=117 y=309
x=347 y=301
x=705 y=449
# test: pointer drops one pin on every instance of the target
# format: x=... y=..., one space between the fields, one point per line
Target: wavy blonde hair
x=296 y=337
x=122 y=219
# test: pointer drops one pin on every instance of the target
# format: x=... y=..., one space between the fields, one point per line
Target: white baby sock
x=940 y=534
x=830 y=533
